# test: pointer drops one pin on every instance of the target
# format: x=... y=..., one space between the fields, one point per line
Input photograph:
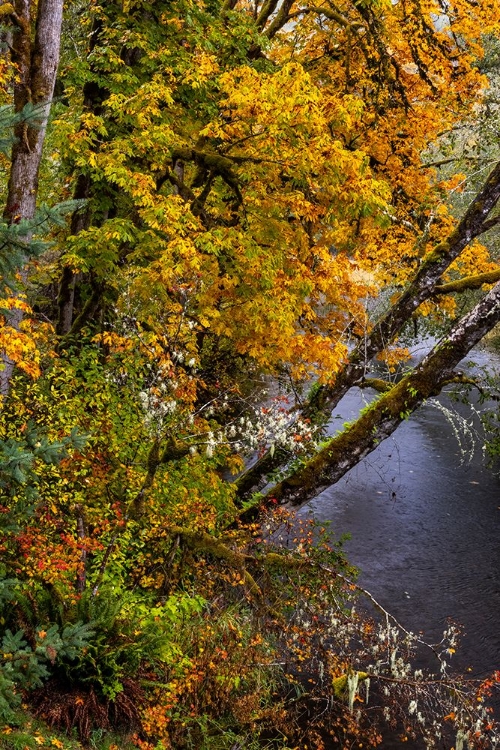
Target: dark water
x=425 y=530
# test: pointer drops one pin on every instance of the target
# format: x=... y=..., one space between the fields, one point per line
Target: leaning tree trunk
x=424 y=286
x=474 y=222
x=36 y=58
x=382 y=418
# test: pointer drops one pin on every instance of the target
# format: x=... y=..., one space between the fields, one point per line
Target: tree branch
x=469 y=282
x=382 y=417
x=378 y=384
x=329 y=13
x=281 y=18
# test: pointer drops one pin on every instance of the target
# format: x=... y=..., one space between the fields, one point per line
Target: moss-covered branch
x=382 y=417
x=204 y=542
x=256 y=475
x=469 y=282
x=255 y=478
x=331 y=14
x=460 y=379
x=378 y=384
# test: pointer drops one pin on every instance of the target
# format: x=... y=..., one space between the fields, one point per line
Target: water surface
x=425 y=530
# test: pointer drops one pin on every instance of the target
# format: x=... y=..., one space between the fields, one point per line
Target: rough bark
x=382 y=417
x=36 y=58
x=37 y=62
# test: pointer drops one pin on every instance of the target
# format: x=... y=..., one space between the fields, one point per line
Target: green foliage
x=127 y=631
x=26 y=238
x=25 y=666
x=491 y=422
x=29 y=115
x=22 y=461
x=24 y=732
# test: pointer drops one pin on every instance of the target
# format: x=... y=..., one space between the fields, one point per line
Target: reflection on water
x=425 y=532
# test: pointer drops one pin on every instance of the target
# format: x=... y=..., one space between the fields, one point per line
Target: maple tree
x=250 y=198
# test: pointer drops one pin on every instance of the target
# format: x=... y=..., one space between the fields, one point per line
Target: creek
x=424 y=522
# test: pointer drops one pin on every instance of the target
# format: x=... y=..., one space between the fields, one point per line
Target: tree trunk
x=36 y=59
x=37 y=62
x=382 y=417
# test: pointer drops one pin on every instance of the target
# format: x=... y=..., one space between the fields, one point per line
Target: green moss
x=469 y=282
x=439 y=252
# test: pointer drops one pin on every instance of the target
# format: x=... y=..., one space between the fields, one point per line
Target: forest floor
x=28 y=733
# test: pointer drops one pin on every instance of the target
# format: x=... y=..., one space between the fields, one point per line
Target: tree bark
x=36 y=59
x=37 y=62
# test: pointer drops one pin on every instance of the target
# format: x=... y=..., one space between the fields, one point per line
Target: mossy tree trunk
x=382 y=418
